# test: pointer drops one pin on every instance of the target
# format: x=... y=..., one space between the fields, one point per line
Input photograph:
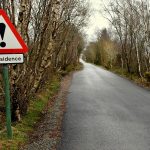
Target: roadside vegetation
x=52 y=31
x=40 y=103
x=124 y=48
x=37 y=105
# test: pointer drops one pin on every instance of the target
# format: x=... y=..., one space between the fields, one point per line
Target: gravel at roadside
x=47 y=134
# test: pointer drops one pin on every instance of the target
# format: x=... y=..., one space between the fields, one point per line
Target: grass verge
x=21 y=130
x=72 y=68
x=140 y=81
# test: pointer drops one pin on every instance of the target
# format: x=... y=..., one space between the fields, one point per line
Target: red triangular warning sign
x=10 y=40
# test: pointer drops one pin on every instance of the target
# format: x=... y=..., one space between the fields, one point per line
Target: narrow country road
x=105 y=112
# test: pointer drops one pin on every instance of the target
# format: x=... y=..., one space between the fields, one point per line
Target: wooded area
x=126 y=45
x=52 y=32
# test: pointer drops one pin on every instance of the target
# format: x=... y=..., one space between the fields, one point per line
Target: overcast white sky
x=96 y=21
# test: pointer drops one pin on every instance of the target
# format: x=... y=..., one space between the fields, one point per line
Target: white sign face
x=9 y=38
x=11 y=59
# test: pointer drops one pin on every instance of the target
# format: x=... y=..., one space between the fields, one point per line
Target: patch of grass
x=79 y=66
x=141 y=81
x=22 y=129
x=121 y=72
x=144 y=82
x=72 y=68
x=147 y=76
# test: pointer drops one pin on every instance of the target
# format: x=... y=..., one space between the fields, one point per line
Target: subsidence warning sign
x=11 y=59
x=10 y=40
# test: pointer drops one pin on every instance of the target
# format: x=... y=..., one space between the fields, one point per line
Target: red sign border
x=24 y=48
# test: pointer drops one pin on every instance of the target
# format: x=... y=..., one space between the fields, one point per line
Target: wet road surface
x=105 y=112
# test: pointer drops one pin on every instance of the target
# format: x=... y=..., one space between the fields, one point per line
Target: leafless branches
x=51 y=30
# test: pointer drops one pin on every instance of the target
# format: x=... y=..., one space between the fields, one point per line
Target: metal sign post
x=7 y=100
x=12 y=48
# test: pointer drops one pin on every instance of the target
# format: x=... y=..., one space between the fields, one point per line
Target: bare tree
x=51 y=29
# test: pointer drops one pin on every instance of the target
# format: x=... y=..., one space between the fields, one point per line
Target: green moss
x=37 y=105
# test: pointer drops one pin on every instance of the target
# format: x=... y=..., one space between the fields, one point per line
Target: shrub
x=70 y=68
x=147 y=76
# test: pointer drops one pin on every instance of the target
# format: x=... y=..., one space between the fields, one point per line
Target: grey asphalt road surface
x=105 y=112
